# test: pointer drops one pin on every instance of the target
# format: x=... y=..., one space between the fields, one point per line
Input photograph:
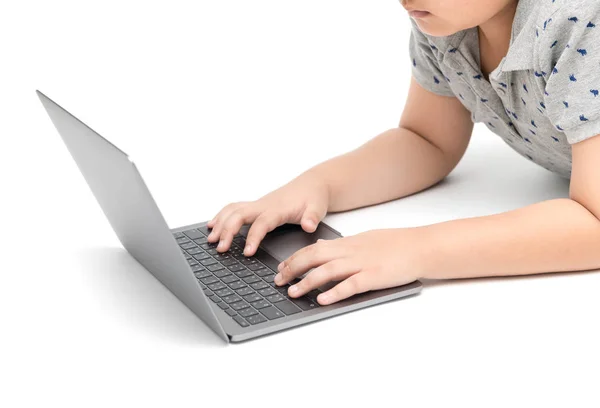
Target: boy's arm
x=426 y=146
x=552 y=236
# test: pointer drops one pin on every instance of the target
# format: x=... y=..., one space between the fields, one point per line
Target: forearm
x=552 y=236
x=395 y=164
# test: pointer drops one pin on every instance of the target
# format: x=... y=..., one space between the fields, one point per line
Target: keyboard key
x=202 y=274
x=214 y=267
x=240 y=241
x=259 y=285
x=217 y=286
x=230 y=312
x=224 y=292
x=229 y=261
x=252 y=298
x=282 y=289
x=212 y=251
x=230 y=279
x=313 y=294
x=238 y=285
x=186 y=255
x=288 y=308
x=208 y=261
x=249 y=261
x=256 y=319
x=193 y=234
x=204 y=229
x=188 y=245
x=275 y=298
x=201 y=256
x=261 y=304
x=215 y=299
x=222 y=273
x=263 y=272
x=178 y=235
x=267 y=291
x=200 y=241
x=243 y=273
x=192 y=262
x=305 y=303
x=236 y=267
x=241 y=321
x=221 y=257
x=247 y=312
x=239 y=305
x=231 y=299
x=272 y=313
x=194 y=251
x=209 y=280
x=269 y=278
x=223 y=305
x=243 y=291
x=197 y=268
x=255 y=267
x=251 y=279
x=208 y=292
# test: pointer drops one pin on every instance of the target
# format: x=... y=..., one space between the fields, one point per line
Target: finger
x=309 y=257
x=336 y=270
x=357 y=283
x=264 y=223
x=231 y=226
x=312 y=216
x=220 y=219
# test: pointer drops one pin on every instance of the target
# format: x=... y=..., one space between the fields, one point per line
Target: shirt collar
x=520 y=52
x=522 y=41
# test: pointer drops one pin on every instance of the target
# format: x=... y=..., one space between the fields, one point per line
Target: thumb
x=313 y=214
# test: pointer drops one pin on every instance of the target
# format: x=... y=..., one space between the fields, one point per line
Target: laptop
x=234 y=295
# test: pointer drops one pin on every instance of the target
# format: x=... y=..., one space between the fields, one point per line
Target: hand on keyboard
x=372 y=260
x=303 y=201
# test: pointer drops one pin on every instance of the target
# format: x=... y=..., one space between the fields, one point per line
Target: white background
x=221 y=101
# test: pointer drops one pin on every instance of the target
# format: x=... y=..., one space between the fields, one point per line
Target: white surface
x=250 y=94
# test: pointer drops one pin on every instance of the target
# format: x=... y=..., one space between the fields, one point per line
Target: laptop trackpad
x=283 y=241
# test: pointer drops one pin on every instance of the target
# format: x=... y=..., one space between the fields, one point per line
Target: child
x=529 y=70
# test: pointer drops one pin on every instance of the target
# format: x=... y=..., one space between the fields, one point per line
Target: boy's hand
x=303 y=201
x=372 y=260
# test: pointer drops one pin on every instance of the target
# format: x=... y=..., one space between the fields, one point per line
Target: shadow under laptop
x=133 y=295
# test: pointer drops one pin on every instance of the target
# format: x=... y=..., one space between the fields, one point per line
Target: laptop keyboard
x=242 y=286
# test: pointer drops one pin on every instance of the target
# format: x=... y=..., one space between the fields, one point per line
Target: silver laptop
x=234 y=295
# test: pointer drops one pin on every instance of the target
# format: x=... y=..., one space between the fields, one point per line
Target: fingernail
x=324 y=298
x=210 y=236
x=248 y=248
x=310 y=223
x=293 y=289
x=278 y=278
x=221 y=245
x=280 y=267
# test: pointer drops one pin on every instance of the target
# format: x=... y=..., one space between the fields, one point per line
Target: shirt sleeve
x=569 y=57
x=425 y=68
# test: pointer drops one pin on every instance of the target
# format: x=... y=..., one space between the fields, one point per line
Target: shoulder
x=567 y=29
x=562 y=16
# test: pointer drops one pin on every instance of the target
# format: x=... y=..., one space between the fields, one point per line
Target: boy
x=529 y=70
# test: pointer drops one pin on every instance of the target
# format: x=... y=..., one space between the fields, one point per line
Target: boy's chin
x=436 y=29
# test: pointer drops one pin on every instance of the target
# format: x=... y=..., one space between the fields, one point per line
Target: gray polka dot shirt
x=544 y=95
